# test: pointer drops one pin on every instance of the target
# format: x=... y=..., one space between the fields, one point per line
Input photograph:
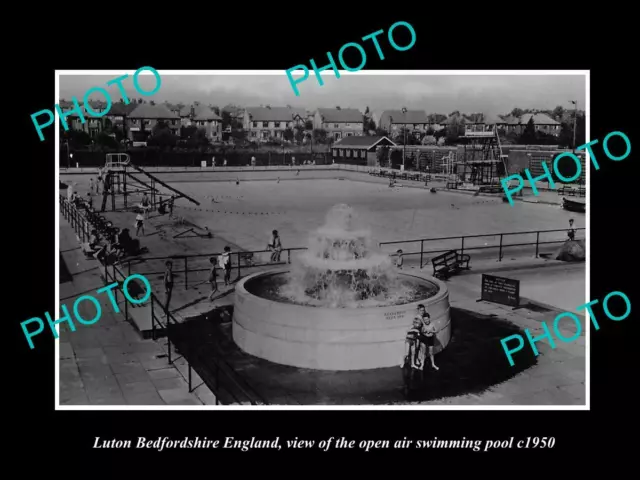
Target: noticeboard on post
x=505 y=291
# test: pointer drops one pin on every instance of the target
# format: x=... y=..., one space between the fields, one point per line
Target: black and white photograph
x=389 y=240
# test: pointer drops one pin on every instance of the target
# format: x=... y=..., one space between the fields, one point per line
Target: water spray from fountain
x=343 y=268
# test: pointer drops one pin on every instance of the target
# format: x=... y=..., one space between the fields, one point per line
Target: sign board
x=505 y=291
x=203 y=163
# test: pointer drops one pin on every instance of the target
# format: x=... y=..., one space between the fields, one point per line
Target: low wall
x=332 y=339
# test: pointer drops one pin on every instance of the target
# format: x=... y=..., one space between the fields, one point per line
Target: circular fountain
x=342 y=304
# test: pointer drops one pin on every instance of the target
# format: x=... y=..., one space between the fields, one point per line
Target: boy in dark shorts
x=413 y=359
x=571 y=233
x=168 y=284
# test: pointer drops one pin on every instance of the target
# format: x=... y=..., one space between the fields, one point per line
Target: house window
x=133 y=120
x=347 y=124
x=265 y=124
x=173 y=122
x=336 y=125
x=146 y=122
x=254 y=134
x=277 y=124
x=349 y=134
x=255 y=124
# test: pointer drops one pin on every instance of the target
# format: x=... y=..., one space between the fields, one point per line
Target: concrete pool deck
x=558 y=379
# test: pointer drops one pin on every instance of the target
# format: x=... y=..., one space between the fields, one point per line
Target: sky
x=490 y=94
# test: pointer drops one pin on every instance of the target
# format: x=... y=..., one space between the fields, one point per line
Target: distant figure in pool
x=237 y=181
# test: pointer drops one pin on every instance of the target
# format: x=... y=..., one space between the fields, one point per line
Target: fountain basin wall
x=332 y=338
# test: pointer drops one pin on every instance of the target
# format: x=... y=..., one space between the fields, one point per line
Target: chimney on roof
x=269 y=107
x=193 y=111
x=338 y=107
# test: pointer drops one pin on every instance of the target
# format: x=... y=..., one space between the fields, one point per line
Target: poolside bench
x=449 y=263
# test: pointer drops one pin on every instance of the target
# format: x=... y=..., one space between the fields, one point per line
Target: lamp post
x=404 y=143
x=68 y=156
x=575 y=120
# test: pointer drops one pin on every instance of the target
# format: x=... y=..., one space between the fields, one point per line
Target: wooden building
x=359 y=150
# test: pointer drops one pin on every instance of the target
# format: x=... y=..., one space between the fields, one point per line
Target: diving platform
x=122 y=177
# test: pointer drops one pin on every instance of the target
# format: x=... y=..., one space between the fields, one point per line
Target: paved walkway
x=557 y=379
x=108 y=363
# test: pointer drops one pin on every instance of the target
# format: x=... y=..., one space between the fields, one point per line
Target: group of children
x=222 y=262
x=419 y=341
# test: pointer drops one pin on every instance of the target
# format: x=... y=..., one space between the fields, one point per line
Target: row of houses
x=266 y=122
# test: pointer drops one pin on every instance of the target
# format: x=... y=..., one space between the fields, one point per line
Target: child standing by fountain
x=428 y=336
x=275 y=246
x=224 y=261
x=413 y=360
x=399 y=260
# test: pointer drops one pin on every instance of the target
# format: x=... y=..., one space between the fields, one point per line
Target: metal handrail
x=222 y=365
x=500 y=247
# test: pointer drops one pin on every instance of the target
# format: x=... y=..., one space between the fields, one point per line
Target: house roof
x=146 y=110
x=538 y=119
x=343 y=115
x=460 y=117
x=205 y=113
x=412 y=116
x=360 y=141
x=120 y=108
x=490 y=119
x=232 y=109
x=274 y=114
x=201 y=112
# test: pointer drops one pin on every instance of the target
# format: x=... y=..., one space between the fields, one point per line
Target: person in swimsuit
x=428 y=336
x=414 y=355
x=168 y=284
x=571 y=233
x=212 y=277
x=275 y=246
x=139 y=224
x=146 y=205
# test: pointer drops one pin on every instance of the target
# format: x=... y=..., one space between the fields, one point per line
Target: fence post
x=289 y=255
x=462 y=249
x=238 y=255
x=186 y=276
x=421 y=251
x=190 y=390
x=153 y=320
x=129 y=268
x=217 y=393
x=537 y=242
x=500 y=251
